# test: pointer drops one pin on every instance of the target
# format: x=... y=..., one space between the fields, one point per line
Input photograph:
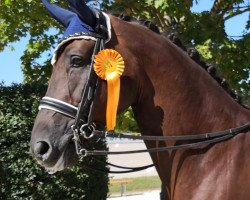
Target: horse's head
x=51 y=139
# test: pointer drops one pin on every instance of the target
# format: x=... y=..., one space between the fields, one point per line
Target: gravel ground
x=130 y=160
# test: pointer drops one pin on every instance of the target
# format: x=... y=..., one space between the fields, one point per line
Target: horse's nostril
x=41 y=148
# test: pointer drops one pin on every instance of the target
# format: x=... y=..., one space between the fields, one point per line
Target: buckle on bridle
x=88 y=131
x=83 y=152
x=76 y=140
x=79 y=150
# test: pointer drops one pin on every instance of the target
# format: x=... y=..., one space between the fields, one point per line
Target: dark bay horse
x=170 y=95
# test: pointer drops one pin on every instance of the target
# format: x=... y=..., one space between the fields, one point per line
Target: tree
x=230 y=55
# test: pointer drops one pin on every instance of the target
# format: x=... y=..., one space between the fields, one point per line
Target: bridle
x=83 y=124
x=85 y=127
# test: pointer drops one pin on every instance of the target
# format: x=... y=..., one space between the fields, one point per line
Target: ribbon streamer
x=109 y=66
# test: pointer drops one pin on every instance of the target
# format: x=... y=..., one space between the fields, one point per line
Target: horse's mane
x=191 y=52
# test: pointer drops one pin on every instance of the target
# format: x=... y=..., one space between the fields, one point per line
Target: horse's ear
x=83 y=11
x=63 y=16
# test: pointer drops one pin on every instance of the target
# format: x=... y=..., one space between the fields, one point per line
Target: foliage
x=20 y=175
x=30 y=19
x=126 y=122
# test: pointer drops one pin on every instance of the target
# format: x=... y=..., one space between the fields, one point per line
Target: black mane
x=191 y=51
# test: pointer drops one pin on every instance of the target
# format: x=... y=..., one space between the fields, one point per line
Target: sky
x=10 y=67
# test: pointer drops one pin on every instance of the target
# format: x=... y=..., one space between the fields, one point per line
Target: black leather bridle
x=83 y=124
x=84 y=127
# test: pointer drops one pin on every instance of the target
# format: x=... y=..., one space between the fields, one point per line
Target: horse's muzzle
x=54 y=156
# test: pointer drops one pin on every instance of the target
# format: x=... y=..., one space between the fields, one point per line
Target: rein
x=207 y=138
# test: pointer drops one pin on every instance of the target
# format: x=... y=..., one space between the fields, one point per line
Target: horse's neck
x=175 y=94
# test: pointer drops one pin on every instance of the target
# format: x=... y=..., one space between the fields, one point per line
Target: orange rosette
x=109 y=66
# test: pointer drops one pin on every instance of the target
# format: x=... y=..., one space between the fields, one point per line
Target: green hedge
x=20 y=175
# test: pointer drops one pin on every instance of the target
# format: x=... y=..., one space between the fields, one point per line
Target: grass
x=137 y=184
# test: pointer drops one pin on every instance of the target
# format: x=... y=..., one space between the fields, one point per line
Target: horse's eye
x=76 y=61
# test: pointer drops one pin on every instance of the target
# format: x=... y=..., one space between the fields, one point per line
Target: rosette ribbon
x=109 y=66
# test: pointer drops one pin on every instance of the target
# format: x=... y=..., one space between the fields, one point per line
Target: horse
x=170 y=95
